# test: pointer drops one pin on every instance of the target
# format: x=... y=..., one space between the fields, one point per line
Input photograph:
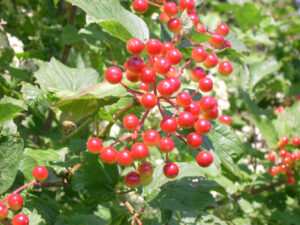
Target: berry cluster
x=285 y=161
x=287 y=102
x=15 y=201
x=159 y=73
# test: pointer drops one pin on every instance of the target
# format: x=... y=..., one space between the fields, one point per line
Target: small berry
x=289 y=173
x=283 y=142
x=226 y=44
x=166 y=88
x=290 y=180
x=130 y=122
x=286 y=160
x=153 y=47
x=194 y=18
x=20 y=219
x=202 y=126
x=278 y=110
x=172 y=72
x=185 y=120
x=216 y=39
x=15 y=201
x=132 y=180
x=151 y=137
x=135 y=64
x=207 y=103
x=225 y=119
x=211 y=60
x=149 y=100
x=283 y=153
x=200 y=28
x=135 y=46
x=148 y=75
x=168 y=125
x=166 y=144
x=113 y=75
x=282 y=168
x=170 y=8
x=176 y=82
x=174 y=25
x=223 y=29
x=124 y=158
x=183 y=99
x=162 y=65
x=133 y=77
x=273 y=171
x=293 y=157
x=174 y=56
x=146 y=180
x=3 y=211
x=206 y=84
x=166 y=47
x=205 y=158
x=271 y=156
x=109 y=155
x=144 y=87
x=197 y=73
x=171 y=170
x=295 y=141
x=139 y=151
x=187 y=4
x=225 y=68
x=164 y=17
x=212 y=114
x=94 y=145
x=140 y=6
x=145 y=169
x=199 y=54
x=40 y=173
x=194 y=108
x=194 y=140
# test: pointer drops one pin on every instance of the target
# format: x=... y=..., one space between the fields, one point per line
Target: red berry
x=140 y=6
x=152 y=60
x=148 y=75
x=216 y=39
x=172 y=72
x=124 y=158
x=40 y=173
x=199 y=54
x=202 y=126
x=130 y=122
x=293 y=156
x=166 y=46
x=3 y=211
x=187 y=4
x=194 y=18
x=283 y=153
x=162 y=65
x=135 y=64
x=298 y=154
x=194 y=108
x=286 y=160
x=289 y=173
x=170 y=8
x=144 y=87
x=135 y=46
x=94 y=145
x=183 y=99
x=148 y=100
x=174 y=56
x=176 y=82
x=164 y=17
x=225 y=68
x=139 y=151
x=290 y=180
x=206 y=84
x=174 y=25
x=212 y=114
x=194 y=140
x=207 y=103
x=113 y=75
x=151 y=137
x=271 y=156
x=133 y=77
x=186 y=120
x=166 y=88
x=132 y=180
x=20 y=219
x=211 y=60
x=273 y=171
x=223 y=29
x=166 y=144
x=200 y=28
x=282 y=168
x=226 y=44
x=278 y=110
x=283 y=142
x=198 y=73
x=145 y=169
x=153 y=47
x=295 y=141
x=171 y=170
x=15 y=201
x=168 y=125
x=225 y=119
x=205 y=158
x=109 y=155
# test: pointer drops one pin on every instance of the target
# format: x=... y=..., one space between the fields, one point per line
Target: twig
x=180 y=72
x=131 y=210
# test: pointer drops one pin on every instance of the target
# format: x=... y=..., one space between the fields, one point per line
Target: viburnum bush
x=149 y=112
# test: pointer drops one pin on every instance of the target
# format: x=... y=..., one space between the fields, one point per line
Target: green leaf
x=32 y=94
x=11 y=153
x=236 y=44
x=57 y=76
x=114 y=18
x=6 y=52
x=104 y=115
x=10 y=108
x=86 y=219
x=187 y=194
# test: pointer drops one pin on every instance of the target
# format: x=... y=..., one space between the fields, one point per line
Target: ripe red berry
x=216 y=39
x=187 y=4
x=293 y=156
x=153 y=47
x=226 y=44
x=172 y=72
x=20 y=219
x=152 y=60
x=151 y=137
x=132 y=180
x=273 y=171
x=144 y=87
x=199 y=54
x=113 y=75
x=271 y=156
x=186 y=120
x=171 y=170
x=207 y=103
x=211 y=60
x=225 y=119
x=174 y=56
x=15 y=201
x=282 y=168
x=286 y=160
x=295 y=141
x=124 y=158
x=290 y=180
x=135 y=64
x=40 y=173
x=3 y=211
x=170 y=8
x=200 y=28
x=94 y=145
x=139 y=151
x=166 y=88
x=212 y=114
x=133 y=77
x=298 y=154
x=109 y=155
x=164 y=17
x=148 y=75
x=194 y=108
x=198 y=73
x=145 y=169
x=166 y=144
x=194 y=140
x=223 y=29
x=148 y=100
x=130 y=122
x=135 y=46
x=278 y=110
x=225 y=68
x=283 y=153
x=194 y=18
x=162 y=65
x=176 y=82
x=283 y=142
x=205 y=158
x=174 y=25
x=206 y=84
x=183 y=99
x=289 y=173
x=202 y=126
x=168 y=125
x=166 y=46
x=140 y=6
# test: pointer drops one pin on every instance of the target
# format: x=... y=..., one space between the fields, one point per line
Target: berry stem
x=142 y=120
x=4 y=222
x=181 y=137
x=183 y=67
x=161 y=110
x=134 y=92
x=131 y=210
x=167 y=157
x=155 y=4
x=195 y=92
x=171 y=102
x=121 y=139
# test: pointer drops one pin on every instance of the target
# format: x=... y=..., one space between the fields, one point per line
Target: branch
x=131 y=210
